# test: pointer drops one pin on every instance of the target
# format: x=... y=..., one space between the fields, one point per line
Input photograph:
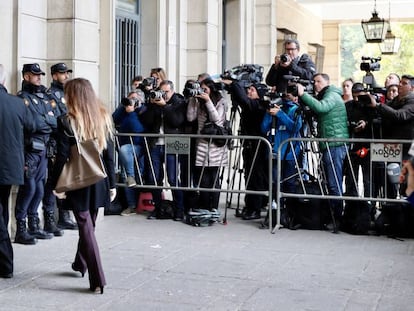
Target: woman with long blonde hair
x=89 y=118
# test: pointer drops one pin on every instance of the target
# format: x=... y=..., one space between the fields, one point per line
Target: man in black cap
x=30 y=194
x=254 y=161
x=60 y=74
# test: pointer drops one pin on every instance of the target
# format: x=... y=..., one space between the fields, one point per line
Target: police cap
x=33 y=68
x=59 y=67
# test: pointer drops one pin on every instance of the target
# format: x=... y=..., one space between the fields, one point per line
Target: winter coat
x=208 y=154
x=398 y=120
x=92 y=197
x=302 y=67
x=288 y=125
x=128 y=123
x=252 y=112
x=15 y=118
x=331 y=112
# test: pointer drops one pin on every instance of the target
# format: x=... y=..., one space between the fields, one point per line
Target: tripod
x=235 y=162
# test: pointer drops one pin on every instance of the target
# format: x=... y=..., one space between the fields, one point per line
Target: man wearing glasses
x=289 y=64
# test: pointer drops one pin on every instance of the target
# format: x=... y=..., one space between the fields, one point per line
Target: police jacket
x=42 y=111
x=15 y=118
x=303 y=67
x=398 y=119
x=252 y=112
x=55 y=93
x=128 y=122
x=331 y=112
x=172 y=116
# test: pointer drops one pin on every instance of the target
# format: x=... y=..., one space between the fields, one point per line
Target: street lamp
x=391 y=44
x=375 y=28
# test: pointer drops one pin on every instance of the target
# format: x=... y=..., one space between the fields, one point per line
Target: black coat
x=174 y=115
x=91 y=197
x=398 y=120
x=252 y=112
x=15 y=118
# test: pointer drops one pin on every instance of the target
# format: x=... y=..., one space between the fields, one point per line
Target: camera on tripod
x=192 y=89
x=292 y=87
x=369 y=64
x=245 y=74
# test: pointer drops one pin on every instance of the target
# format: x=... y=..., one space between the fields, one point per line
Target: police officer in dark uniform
x=15 y=117
x=30 y=194
x=60 y=73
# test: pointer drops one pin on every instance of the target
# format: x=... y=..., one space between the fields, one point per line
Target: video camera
x=192 y=89
x=293 y=89
x=369 y=64
x=246 y=74
x=271 y=100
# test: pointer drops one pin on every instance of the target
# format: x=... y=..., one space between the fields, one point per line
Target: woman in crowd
x=347 y=90
x=89 y=118
x=210 y=107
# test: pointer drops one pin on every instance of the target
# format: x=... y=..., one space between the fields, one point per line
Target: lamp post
x=375 y=28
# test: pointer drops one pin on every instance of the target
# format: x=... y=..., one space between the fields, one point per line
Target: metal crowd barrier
x=380 y=150
x=233 y=177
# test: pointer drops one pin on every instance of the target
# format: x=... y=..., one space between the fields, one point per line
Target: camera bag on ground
x=308 y=213
x=356 y=218
x=396 y=219
x=166 y=210
x=202 y=217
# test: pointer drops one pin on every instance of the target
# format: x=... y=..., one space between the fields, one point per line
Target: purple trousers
x=87 y=256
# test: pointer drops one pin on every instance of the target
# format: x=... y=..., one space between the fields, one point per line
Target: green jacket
x=331 y=112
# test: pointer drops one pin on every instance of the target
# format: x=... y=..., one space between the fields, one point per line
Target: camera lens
x=284 y=58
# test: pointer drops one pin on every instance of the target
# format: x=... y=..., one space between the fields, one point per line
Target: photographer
x=360 y=124
x=130 y=147
x=252 y=113
x=289 y=64
x=332 y=123
x=282 y=121
x=398 y=114
x=211 y=106
x=164 y=112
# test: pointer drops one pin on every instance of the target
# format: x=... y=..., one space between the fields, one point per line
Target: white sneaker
x=131 y=181
x=128 y=211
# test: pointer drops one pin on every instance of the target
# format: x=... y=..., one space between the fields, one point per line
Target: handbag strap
x=72 y=125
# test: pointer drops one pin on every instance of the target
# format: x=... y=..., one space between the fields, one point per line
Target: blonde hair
x=91 y=118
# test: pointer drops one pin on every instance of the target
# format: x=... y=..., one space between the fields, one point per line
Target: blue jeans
x=333 y=159
x=156 y=170
x=127 y=155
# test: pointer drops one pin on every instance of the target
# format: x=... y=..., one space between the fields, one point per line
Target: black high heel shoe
x=77 y=270
x=99 y=289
